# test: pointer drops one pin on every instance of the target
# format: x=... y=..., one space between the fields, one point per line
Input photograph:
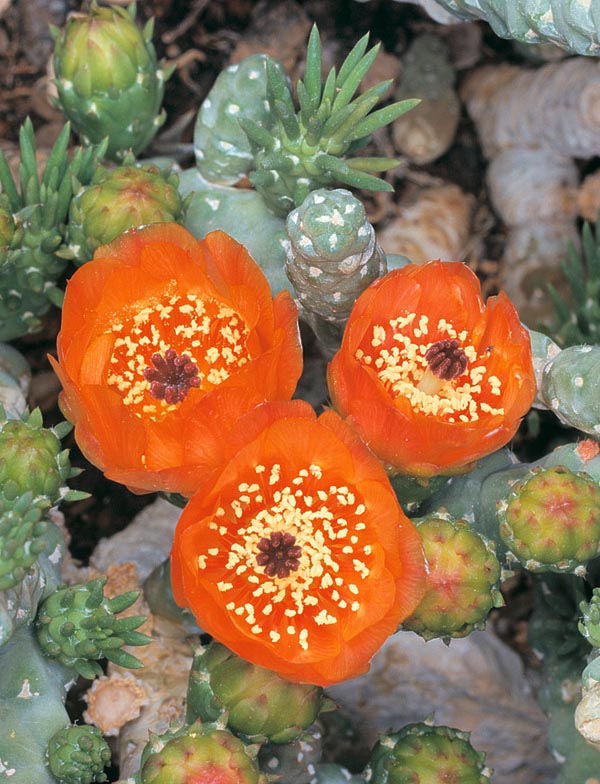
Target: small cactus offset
x=301 y=151
x=333 y=254
x=200 y=752
x=22 y=528
x=117 y=200
x=254 y=702
x=32 y=221
x=77 y=626
x=425 y=754
x=551 y=520
x=78 y=755
x=462 y=579
x=589 y=625
x=108 y=79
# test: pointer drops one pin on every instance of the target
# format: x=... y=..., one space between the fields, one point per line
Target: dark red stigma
x=446 y=359
x=279 y=554
x=172 y=376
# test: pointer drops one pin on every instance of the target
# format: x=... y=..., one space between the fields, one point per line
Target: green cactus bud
x=333 y=254
x=78 y=755
x=222 y=149
x=108 y=80
x=551 y=520
x=33 y=461
x=424 y=754
x=200 y=752
x=117 y=200
x=34 y=261
x=569 y=387
x=78 y=626
x=589 y=625
x=298 y=152
x=257 y=703
x=462 y=579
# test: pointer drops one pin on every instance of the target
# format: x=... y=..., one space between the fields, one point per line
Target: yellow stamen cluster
x=328 y=524
x=397 y=351
x=211 y=333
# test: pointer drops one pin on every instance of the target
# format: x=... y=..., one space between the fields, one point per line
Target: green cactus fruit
x=33 y=261
x=298 y=152
x=569 y=387
x=258 y=704
x=199 y=753
x=78 y=626
x=462 y=579
x=424 y=754
x=550 y=521
x=78 y=755
x=333 y=254
x=108 y=80
x=222 y=150
x=33 y=461
x=589 y=625
x=117 y=200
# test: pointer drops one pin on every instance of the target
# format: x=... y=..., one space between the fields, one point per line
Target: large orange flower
x=430 y=376
x=165 y=342
x=299 y=558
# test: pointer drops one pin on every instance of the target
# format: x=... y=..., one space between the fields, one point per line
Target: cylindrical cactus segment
x=78 y=754
x=255 y=702
x=108 y=80
x=551 y=520
x=569 y=387
x=462 y=579
x=117 y=200
x=333 y=254
x=425 y=754
x=77 y=625
x=222 y=149
x=198 y=753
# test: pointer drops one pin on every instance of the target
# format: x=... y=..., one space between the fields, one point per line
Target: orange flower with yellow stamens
x=430 y=376
x=299 y=557
x=165 y=342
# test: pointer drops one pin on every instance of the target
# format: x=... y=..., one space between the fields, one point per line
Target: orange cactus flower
x=165 y=342
x=429 y=375
x=299 y=557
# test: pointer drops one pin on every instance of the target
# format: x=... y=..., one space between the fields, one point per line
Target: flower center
x=446 y=359
x=172 y=345
x=172 y=376
x=290 y=553
x=432 y=366
x=279 y=554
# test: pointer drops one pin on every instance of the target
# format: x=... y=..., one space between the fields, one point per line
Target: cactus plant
x=78 y=755
x=77 y=625
x=31 y=259
x=108 y=80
